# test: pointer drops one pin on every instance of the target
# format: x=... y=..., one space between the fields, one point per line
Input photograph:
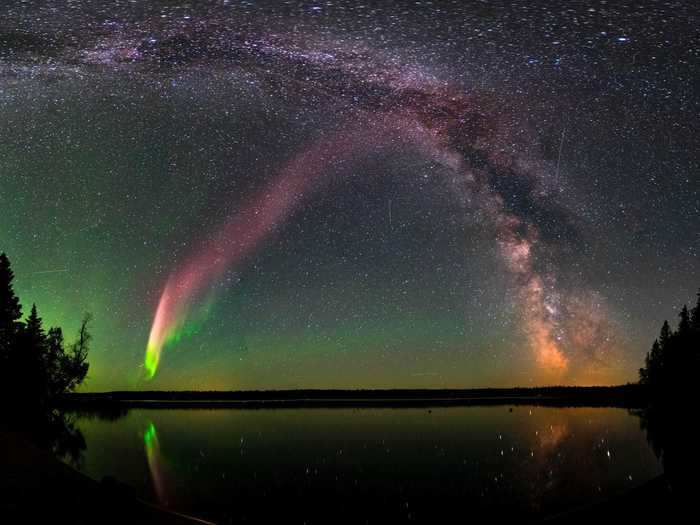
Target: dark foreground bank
x=37 y=488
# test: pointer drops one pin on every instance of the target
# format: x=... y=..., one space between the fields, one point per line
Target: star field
x=351 y=195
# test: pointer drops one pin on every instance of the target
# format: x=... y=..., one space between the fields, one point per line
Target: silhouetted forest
x=670 y=376
x=36 y=367
x=672 y=364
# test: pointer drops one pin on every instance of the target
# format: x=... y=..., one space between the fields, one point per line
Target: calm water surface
x=370 y=465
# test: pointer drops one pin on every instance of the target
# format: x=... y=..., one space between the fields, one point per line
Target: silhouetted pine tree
x=10 y=314
x=53 y=359
x=652 y=372
x=34 y=330
x=695 y=315
x=10 y=309
x=684 y=324
x=33 y=379
x=665 y=336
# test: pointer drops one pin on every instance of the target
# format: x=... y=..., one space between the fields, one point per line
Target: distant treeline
x=624 y=396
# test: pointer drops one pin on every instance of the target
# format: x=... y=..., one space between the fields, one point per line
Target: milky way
x=551 y=144
x=455 y=128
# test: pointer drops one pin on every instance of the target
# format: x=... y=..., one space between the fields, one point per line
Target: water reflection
x=674 y=441
x=50 y=430
x=156 y=464
x=377 y=464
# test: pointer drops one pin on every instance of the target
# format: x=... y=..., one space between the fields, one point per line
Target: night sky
x=256 y=195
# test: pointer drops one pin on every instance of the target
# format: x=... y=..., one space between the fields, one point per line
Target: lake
x=371 y=465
